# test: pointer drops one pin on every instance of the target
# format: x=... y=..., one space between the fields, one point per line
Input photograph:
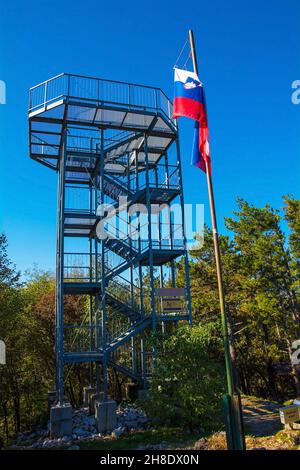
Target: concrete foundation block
x=61 y=420
x=142 y=394
x=88 y=392
x=106 y=417
x=92 y=403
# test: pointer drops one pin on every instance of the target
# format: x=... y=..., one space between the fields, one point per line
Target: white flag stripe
x=182 y=75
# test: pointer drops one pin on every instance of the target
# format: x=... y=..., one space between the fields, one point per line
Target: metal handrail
x=64 y=89
x=88 y=77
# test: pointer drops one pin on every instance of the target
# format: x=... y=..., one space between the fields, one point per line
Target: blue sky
x=248 y=55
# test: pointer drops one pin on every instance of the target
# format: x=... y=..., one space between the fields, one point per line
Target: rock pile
x=129 y=419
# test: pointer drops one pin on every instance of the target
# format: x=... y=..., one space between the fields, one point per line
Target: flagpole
x=235 y=433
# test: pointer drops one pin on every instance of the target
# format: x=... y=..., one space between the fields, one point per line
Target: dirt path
x=261 y=418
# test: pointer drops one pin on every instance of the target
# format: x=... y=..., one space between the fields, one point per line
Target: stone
x=132 y=424
x=89 y=421
x=296 y=440
x=200 y=444
x=73 y=447
x=85 y=427
x=105 y=414
x=117 y=432
x=81 y=432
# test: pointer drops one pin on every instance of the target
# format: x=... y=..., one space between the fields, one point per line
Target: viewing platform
x=127 y=109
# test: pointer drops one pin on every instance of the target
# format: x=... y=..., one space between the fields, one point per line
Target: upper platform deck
x=90 y=104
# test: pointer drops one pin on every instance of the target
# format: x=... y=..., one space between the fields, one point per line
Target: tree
x=204 y=284
x=260 y=296
x=267 y=301
x=187 y=385
x=10 y=307
x=292 y=216
x=9 y=276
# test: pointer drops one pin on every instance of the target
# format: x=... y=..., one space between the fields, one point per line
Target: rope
x=189 y=56
x=181 y=52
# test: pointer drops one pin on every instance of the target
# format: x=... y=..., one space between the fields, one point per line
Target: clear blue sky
x=248 y=57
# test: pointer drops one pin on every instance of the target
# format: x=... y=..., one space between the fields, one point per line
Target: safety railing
x=79 y=199
x=86 y=267
x=121 y=289
x=82 y=143
x=96 y=90
x=119 y=333
x=81 y=267
x=86 y=143
x=124 y=356
x=79 y=338
x=159 y=176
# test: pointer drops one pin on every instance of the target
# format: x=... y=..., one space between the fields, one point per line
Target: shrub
x=188 y=380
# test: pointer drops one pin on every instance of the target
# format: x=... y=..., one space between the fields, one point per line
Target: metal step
x=132 y=331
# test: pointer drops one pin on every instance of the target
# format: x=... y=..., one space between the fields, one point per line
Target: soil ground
x=261 y=417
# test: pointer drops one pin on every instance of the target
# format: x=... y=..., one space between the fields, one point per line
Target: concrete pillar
x=93 y=400
x=61 y=420
x=106 y=417
x=88 y=392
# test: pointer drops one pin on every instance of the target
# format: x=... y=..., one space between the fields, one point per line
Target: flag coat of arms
x=189 y=101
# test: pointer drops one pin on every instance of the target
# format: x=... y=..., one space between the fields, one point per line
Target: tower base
x=60 y=420
x=92 y=402
x=88 y=392
x=106 y=417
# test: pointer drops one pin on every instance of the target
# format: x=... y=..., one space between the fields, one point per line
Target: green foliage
x=187 y=385
x=260 y=296
x=27 y=322
x=173 y=437
x=292 y=216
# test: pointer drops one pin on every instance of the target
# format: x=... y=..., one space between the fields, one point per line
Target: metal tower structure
x=116 y=151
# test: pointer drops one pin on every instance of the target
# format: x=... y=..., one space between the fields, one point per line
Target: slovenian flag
x=189 y=101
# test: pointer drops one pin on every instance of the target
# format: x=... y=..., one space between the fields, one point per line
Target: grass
x=170 y=437
x=282 y=440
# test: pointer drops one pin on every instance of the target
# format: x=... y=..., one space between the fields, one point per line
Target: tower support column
x=60 y=277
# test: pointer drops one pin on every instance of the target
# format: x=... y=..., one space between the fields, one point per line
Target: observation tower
x=115 y=149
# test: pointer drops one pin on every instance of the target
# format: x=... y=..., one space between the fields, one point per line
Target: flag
x=189 y=101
